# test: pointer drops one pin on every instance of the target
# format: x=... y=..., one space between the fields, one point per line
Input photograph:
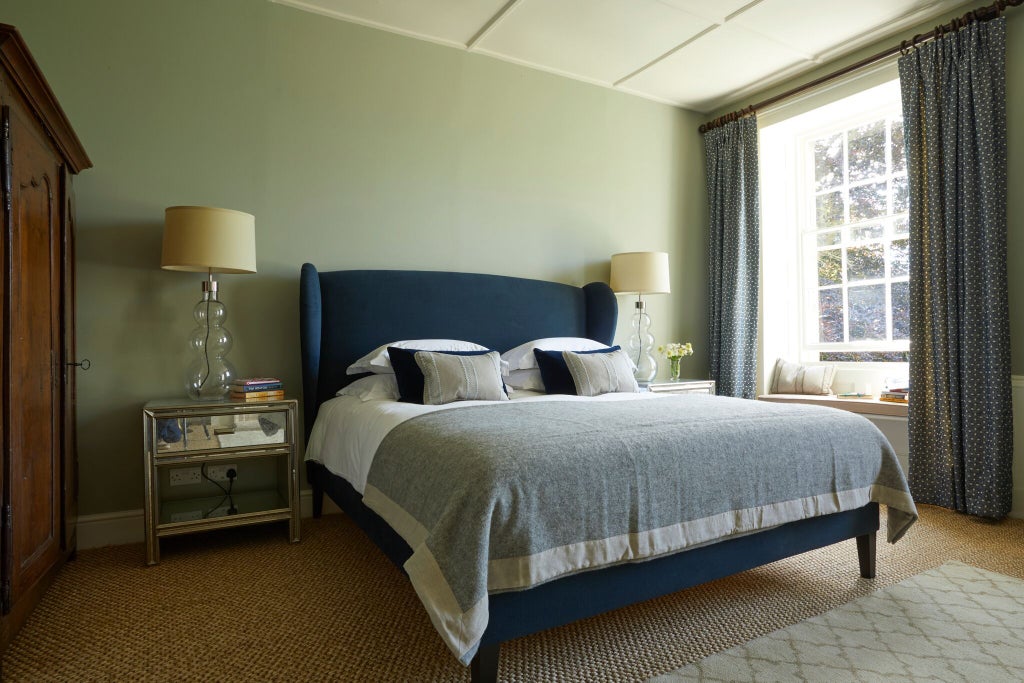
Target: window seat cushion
x=866 y=406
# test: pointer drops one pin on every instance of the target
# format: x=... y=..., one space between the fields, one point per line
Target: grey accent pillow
x=448 y=378
x=793 y=378
x=601 y=373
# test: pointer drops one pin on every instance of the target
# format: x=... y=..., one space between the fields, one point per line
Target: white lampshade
x=640 y=272
x=203 y=238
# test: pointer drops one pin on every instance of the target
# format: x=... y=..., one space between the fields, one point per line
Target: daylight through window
x=835 y=242
x=858 y=240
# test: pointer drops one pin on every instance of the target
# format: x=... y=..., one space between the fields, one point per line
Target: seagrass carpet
x=245 y=605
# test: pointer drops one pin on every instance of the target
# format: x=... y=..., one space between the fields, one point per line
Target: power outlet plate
x=184 y=476
x=220 y=472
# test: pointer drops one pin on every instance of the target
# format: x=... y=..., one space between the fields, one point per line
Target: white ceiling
x=691 y=53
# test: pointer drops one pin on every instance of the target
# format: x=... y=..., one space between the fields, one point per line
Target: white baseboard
x=127 y=526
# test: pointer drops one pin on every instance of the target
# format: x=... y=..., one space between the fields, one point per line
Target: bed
x=343 y=314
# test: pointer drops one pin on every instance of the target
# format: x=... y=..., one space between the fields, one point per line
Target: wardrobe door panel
x=69 y=448
x=33 y=354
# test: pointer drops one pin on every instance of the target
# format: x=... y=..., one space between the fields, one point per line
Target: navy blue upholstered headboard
x=345 y=314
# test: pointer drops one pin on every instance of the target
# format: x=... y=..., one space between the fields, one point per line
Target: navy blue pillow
x=555 y=373
x=409 y=376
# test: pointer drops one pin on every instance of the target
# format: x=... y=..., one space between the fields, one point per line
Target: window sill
x=865 y=406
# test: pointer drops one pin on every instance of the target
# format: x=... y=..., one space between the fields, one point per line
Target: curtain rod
x=981 y=14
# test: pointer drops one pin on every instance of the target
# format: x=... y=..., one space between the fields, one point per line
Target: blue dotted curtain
x=961 y=424
x=732 y=182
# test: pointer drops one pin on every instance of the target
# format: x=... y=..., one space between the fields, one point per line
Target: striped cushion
x=793 y=378
x=448 y=378
x=601 y=373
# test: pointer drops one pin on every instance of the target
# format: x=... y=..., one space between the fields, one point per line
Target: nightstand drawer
x=175 y=435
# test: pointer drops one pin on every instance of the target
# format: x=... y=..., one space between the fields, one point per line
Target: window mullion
x=844 y=235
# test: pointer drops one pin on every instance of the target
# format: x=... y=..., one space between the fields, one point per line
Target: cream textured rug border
x=952 y=623
x=246 y=605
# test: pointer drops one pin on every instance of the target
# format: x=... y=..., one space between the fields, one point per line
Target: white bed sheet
x=348 y=431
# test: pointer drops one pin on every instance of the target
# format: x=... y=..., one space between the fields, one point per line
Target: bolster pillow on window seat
x=793 y=378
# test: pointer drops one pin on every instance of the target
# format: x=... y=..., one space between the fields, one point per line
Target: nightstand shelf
x=184 y=439
x=682 y=386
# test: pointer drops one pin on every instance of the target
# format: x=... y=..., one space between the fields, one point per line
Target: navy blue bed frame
x=345 y=314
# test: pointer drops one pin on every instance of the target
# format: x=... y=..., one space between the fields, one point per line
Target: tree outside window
x=858 y=241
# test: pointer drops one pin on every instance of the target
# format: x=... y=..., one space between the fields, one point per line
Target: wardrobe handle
x=85 y=364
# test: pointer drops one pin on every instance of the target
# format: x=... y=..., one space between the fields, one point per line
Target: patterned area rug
x=952 y=623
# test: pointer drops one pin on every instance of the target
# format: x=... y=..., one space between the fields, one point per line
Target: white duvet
x=348 y=430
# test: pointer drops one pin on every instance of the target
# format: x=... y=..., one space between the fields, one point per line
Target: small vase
x=674 y=368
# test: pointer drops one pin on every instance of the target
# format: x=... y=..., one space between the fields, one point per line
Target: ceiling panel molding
x=694 y=54
x=848 y=46
x=665 y=55
x=492 y=24
x=598 y=39
x=316 y=8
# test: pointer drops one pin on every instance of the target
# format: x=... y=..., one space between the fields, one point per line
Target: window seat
x=866 y=406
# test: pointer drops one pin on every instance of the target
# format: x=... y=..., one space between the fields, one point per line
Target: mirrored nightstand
x=217 y=464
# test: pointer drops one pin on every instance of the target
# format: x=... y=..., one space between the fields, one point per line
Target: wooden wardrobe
x=39 y=154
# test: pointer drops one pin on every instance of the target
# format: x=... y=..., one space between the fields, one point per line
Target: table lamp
x=209 y=240
x=641 y=272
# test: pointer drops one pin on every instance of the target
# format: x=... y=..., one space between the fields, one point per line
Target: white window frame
x=807 y=232
x=783 y=305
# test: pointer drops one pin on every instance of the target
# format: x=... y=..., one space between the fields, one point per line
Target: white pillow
x=372 y=388
x=378 y=361
x=522 y=358
x=526 y=379
x=448 y=378
x=601 y=373
x=793 y=378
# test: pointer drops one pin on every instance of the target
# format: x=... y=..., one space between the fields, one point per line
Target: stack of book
x=257 y=389
x=898 y=395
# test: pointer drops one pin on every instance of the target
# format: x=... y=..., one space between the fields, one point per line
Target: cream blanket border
x=461 y=631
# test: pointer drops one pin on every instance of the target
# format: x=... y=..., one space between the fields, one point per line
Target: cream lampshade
x=210 y=240
x=641 y=272
x=204 y=239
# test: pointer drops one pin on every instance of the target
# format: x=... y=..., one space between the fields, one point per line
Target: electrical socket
x=220 y=472
x=183 y=476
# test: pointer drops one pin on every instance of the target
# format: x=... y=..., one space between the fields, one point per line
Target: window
x=835 y=237
x=855 y=253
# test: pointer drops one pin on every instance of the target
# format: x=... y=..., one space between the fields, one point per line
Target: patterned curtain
x=961 y=426
x=731 y=162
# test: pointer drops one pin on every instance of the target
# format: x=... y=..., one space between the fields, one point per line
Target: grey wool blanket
x=506 y=496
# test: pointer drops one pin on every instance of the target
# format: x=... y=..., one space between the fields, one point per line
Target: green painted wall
x=354 y=148
x=1014 y=140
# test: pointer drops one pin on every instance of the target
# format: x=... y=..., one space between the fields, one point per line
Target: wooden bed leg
x=866 y=554
x=484 y=667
